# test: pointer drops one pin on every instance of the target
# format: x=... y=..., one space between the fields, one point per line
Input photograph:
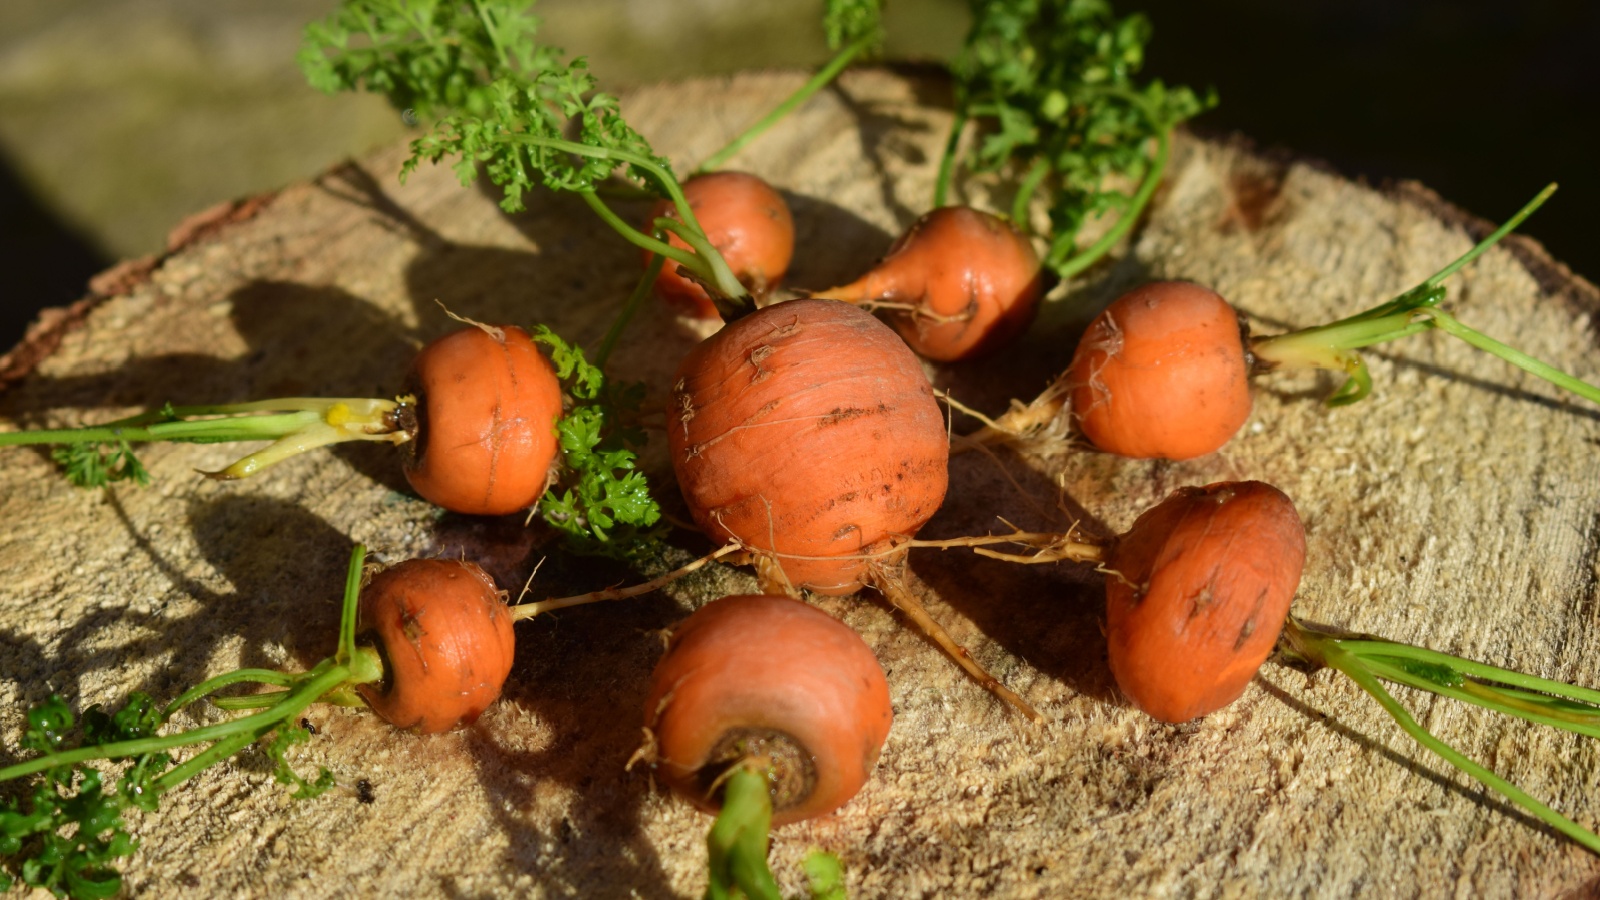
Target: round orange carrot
x=477 y=430
x=1197 y=592
x=1161 y=373
x=808 y=430
x=445 y=636
x=958 y=284
x=746 y=221
x=773 y=681
x=488 y=401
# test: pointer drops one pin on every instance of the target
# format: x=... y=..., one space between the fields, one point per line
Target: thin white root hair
x=529 y=610
x=494 y=331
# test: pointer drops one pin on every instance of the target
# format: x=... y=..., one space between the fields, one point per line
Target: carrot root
x=1038 y=428
x=529 y=610
x=894 y=589
x=1049 y=547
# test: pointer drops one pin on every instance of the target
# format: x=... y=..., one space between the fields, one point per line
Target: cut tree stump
x=1458 y=508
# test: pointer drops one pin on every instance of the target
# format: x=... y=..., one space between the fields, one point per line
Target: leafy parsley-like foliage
x=521 y=139
x=288 y=736
x=507 y=108
x=605 y=507
x=97 y=465
x=1054 y=81
x=505 y=103
x=92 y=465
x=431 y=57
x=64 y=836
x=848 y=21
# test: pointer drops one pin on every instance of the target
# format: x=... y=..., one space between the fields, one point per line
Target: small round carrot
x=1196 y=594
x=772 y=682
x=444 y=647
x=957 y=284
x=1197 y=598
x=486 y=410
x=476 y=426
x=809 y=432
x=1196 y=591
x=1162 y=372
x=746 y=220
x=445 y=635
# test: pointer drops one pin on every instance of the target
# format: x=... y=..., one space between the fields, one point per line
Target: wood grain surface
x=1458 y=508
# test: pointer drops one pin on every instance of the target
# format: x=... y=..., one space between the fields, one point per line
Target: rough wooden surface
x=1456 y=508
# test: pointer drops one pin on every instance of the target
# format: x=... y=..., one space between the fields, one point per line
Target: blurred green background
x=119 y=117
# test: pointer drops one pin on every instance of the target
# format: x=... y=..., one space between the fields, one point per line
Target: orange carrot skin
x=808 y=429
x=955 y=263
x=749 y=224
x=488 y=408
x=1199 y=589
x=447 y=643
x=1161 y=373
x=769 y=663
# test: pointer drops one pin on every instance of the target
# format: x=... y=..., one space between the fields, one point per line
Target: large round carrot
x=1197 y=593
x=957 y=284
x=488 y=401
x=446 y=640
x=772 y=681
x=808 y=430
x=746 y=221
x=1162 y=372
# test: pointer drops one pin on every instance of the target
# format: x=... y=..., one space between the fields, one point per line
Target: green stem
x=816 y=83
x=210 y=686
x=1584 y=720
x=205 y=759
x=1447 y=323
x=294 y=424
x=1350 y=665
x=1366 y=659
x=1067 y=266
x=1366 y=647
x=1353 y=333
x=730 y=306
x=252 y=428
x=636 y=237
x=635 y=300
x=1025 y=191
x=494 y=38
x=738 y=840
x=702 y=259
x=149 y=755
x=324 y=678
x=349 y=605
x=710 y=265
x=1332 y=346
x=263 y=700
x=1509 y=226
x=947 y=163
